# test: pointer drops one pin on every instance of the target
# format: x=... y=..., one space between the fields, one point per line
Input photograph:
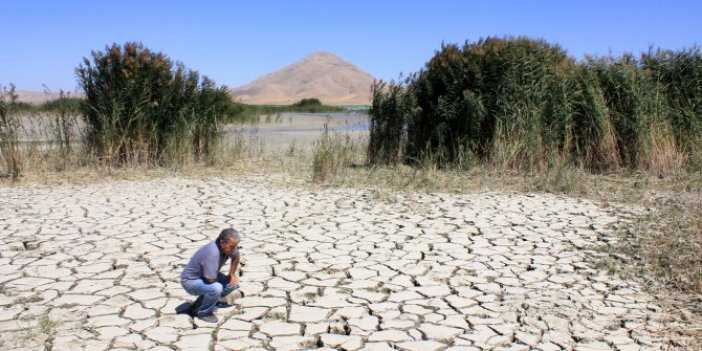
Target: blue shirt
x=206 y=262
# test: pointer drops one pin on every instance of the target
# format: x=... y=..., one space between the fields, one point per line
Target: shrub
x=308 y=102
x=523 y=104
x=491 y=99
x=9 y=127
x=141 y=107
x=392 y=106
x=678 y=78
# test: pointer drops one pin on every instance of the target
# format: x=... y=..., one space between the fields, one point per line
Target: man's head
x=228 y=240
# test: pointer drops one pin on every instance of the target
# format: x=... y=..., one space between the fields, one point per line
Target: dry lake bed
x=96 y=267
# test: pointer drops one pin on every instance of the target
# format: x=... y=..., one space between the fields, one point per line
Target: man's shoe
x=209 y=318
x=195 y=306
x=223 y=304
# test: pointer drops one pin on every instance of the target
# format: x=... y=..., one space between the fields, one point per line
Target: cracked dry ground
x=96 y=267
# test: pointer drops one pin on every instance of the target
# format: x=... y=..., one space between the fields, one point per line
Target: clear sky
x=234 y=42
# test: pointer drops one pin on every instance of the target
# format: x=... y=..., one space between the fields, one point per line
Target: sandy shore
x=96 y=267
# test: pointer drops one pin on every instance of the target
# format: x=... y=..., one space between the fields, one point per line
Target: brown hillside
x=321 y=75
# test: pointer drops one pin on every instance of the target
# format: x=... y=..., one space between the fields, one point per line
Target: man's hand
x=233 y=279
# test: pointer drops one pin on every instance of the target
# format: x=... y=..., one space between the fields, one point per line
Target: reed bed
x=140 y=107
x=519 y=104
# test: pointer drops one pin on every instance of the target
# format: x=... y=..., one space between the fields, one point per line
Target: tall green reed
x=140 y=107
x=520 y=104
x=393 y=106
x=9 y=128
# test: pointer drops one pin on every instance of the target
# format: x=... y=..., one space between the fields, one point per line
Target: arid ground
x=96 y=266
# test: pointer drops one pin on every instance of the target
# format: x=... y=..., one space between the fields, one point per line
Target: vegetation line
x=523 y=105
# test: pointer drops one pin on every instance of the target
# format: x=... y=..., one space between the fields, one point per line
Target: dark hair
x=229 y=233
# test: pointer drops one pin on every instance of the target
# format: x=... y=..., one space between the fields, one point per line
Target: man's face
x=228 y=246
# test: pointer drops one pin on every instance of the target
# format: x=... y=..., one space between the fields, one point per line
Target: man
x=201 y=276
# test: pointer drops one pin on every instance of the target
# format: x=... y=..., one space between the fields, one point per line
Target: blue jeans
x=211 y=292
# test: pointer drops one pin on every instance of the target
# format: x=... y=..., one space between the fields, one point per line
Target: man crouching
x=201 y=276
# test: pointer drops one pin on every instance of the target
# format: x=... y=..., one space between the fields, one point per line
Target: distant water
x=360 y=123
x=347 y=115
x=359 y=127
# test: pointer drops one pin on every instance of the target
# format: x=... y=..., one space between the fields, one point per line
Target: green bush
x=523 y=104
x=678 y=78
x=308 y=102
x=392 y=105
x=140 y=107
x=492 y=100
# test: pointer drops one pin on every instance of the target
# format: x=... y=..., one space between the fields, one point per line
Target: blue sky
x=234 y=42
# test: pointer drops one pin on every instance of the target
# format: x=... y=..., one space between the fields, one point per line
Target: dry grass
x=45 y=325
x=664 y=252
x=664 y=248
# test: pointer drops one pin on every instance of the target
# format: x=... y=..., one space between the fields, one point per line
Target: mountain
x=321 y=75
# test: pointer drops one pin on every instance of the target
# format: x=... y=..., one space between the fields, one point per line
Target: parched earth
x=96 y=267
